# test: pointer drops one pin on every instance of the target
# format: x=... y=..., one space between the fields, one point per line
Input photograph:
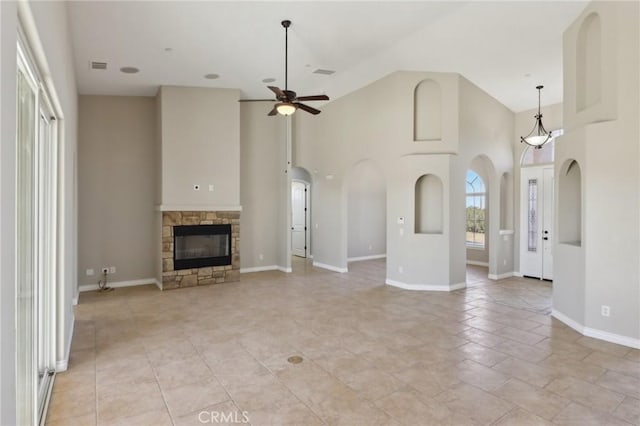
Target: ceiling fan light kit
x=285 y=108
x=288 y=102
x=538 y=135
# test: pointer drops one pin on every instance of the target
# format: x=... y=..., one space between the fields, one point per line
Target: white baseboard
x=517 y=274
x=158 y=284
x=118 y=284
x=425 y=287
x=500 y=276
x=595 y=333
x=330 y=267
x=477 y=263
x=264 y=268
x=63 y=364
x=258 y=269
x=285 y=270
x=372 y=257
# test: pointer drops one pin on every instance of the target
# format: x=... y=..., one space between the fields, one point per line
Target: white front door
x=536 y=222
x=299 y=218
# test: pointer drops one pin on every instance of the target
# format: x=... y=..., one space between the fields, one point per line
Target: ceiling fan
x=287 y=100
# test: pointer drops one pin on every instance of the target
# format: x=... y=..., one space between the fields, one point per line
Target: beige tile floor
x=372 y=355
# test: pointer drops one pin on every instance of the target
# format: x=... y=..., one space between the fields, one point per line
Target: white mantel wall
x=200 y=142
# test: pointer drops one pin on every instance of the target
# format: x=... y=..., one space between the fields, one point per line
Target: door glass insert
x=532 y=216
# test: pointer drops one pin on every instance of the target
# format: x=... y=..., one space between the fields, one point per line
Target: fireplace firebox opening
x=199 y=246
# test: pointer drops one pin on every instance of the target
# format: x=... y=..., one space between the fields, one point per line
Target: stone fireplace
x=200 y=248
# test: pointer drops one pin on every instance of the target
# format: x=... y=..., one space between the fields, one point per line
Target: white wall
x=262 y=167
x=367 y=211
x=116 y=190
x=603 y=138
x=200 y=145
x=47 y=31
x=8 y=25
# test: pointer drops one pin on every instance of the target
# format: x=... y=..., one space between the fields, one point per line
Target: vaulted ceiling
x=506 y=48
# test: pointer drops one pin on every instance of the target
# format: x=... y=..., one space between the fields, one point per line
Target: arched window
x=475 y=205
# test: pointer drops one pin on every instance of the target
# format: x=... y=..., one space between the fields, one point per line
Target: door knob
x=546 y=232
x=545 y=238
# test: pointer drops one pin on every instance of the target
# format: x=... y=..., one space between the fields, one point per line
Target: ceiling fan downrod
x=286 y=24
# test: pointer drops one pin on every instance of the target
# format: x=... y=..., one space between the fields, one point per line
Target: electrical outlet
x=370 y=247
x=400 y=269
x=261 y=256
x=90 y=272
x=112 y=269
x=504 y=262
x=605 y=310
x=210 y=188
x=105 y=270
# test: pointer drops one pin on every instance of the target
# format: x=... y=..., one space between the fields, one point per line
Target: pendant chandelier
x=538 y=135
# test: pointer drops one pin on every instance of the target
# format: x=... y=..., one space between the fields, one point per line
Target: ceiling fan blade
x=279 y=93
x=313 y=98
x=307 y=108
x=273 y=112
x=256 y=100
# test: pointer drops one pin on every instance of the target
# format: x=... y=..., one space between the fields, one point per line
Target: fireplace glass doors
x=199 y=246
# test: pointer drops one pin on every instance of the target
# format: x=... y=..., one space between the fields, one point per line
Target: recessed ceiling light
x=129 y=70
x=211 y=76
x=268 y=80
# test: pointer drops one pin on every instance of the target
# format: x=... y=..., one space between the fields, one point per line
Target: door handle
x=545 y=238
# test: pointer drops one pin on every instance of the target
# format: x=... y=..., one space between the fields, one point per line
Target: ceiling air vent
x=98 y=65
x=323 y=72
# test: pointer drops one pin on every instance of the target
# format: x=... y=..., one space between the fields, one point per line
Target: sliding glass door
x=36 y=233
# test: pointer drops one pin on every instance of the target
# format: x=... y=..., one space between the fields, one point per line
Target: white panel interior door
x=536 y=222
x=299 y=218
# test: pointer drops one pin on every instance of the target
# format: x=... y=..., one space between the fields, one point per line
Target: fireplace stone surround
x=192 y=277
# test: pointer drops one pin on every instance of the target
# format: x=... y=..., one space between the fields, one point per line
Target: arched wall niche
x=429 y=205
x=427 y=111
x=589 y=63
x=570 y=204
